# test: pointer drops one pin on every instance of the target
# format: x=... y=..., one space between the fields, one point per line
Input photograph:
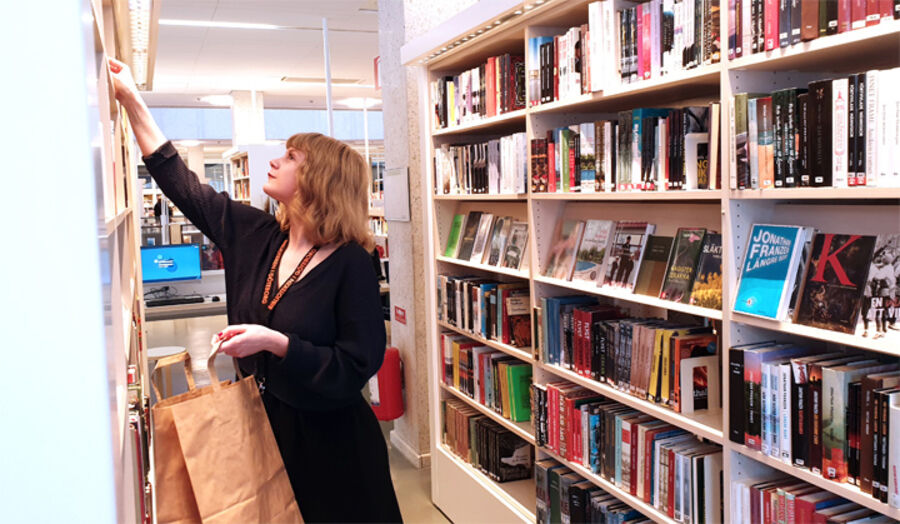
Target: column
x=247 y=120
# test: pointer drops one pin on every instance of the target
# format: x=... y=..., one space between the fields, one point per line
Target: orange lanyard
x=290 y=281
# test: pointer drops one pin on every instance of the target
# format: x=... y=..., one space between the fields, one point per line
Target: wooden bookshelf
x=731 y=212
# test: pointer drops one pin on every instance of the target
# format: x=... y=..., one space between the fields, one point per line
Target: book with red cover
x=771 y=24
x=646 y=39
x=805 y=506
x=844 y=16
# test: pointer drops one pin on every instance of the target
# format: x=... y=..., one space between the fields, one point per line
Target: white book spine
x=872 y=78
x=839 y=122
x=882 y=149
x=746 y=33
x=753 y=142
x=894 y=457
x=785 y=413
x=732 y=176
x=594 y=46
x=774 y=412
x=655 y=37
x=765 y=394
x=894 y=126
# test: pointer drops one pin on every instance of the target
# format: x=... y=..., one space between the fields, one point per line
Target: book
x=515 y=246
x=626 y=253
x=682 y=264
x=561 y=259
x=771 y=262
x=482 y=238
x=881 y=297
x=699 y=384
x=707 y=288
x=832 y=290
x=653 y=266
x=453 y=238
x=498 y=240
x=469 y=232
x=591 y=256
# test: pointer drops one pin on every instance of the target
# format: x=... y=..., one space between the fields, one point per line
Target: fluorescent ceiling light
x=222 y=25
x=217 y=100
x=188 y=143
x=359 y=102
x=333 y=84
x=139 y=14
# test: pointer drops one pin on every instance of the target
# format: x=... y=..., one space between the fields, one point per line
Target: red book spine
x=872 y=12
x=857 y=14
x=886 y=8
x=490 y=87
x=767 y=505
x=572 y=171
x=803 y=510
x=671 y=503
x=646 y=39
x=634 y=460
x=504 y=317
x=648 y=454
x=551 y=163
x=586 y=344
x=771 y=24
x=844 y=16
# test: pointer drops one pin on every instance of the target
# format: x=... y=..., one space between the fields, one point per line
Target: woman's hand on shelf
x=243 y=340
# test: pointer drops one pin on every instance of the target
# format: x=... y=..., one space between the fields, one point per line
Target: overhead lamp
x=220 y=25
x=358 y=102
x=217 y=100
x=188 y=143
x=518 y=12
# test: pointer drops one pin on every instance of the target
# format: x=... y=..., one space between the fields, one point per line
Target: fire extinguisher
x=386 y=387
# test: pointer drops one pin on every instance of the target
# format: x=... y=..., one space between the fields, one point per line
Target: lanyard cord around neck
x=290 y=281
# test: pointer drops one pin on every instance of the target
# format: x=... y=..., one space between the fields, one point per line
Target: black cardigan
x=332 y=316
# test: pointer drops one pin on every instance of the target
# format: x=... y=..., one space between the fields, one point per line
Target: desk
x=206 y=308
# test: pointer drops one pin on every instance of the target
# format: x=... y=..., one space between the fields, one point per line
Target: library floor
x=413 y=486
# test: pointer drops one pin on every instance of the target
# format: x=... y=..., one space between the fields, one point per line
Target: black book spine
x=803 y=138
x=852 y=418
x=778 y=126
x=831 y=12
x=876 y=444
x=799 y=433
x=852 y=93
x=820 y=133
x=823 y=16
x=791 y=177
x=634 y=45
x=815 y=409
x=784 y=23
x=860 y=129
x=796 y=9
x=885 y=449
x=736 y=395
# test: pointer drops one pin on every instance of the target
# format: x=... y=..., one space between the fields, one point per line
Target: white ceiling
x=197 y=61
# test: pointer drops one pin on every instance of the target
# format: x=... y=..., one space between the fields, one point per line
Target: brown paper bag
x=216 y=458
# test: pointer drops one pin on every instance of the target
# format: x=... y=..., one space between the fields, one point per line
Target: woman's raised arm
x=148 y=135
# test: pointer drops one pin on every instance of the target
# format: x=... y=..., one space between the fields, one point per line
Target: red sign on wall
x=400 y=315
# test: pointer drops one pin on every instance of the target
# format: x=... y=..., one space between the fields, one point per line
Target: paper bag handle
x=170 y=361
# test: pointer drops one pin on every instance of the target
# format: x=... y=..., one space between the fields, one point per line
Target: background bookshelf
x=247 y=168
x=461 y=492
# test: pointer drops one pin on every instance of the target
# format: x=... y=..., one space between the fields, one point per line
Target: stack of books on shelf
x=489 y=309
x=844 y=283
x=772 y=499
x=667 y=363
x=833 y=133
x=496 y=167
x=832 y=413
x=755 y=26
x=490 y=377
x=564 y=496
x=482 y=238
x=378 y=226
x=495 y=451
x=660 y=464
x=643 y=150
x=686 y=268
x=493 y=88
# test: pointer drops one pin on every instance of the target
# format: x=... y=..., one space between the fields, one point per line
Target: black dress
x=332 y=446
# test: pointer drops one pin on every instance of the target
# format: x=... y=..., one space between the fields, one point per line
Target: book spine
x=844 y=16
x=871 y=156
x=860 y=137
x=809 y=13
x=799 y=413
x=791 y=139
x=784 y=23
x=771 y=24
x=815 y=409
x=830 y=16
x=839 y=118
x=803 y=139
x=796 y=21
x=778 y=126
x=736 y=419
x=784 y=408
x=741 y=152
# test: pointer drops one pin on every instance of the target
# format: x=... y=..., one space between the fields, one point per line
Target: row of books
x=672 y=364
x=652 y=460
x=834 y=133
x=497 y=167
x=490 y=309
x=490 y=377
x=643 y=150
x=491 y=89
x=755 y=26
x=483 y=238
x=564 y=496
x=378 y=226
x=686 y=268
x=497 y=452
x=845 y=283
x=829 y=412
x=631 y=41
x=772 y=498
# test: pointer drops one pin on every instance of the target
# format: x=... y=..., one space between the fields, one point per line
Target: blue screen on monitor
x=167 y=263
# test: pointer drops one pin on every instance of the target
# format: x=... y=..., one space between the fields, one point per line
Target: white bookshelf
x=247 y=168
x=730 y=212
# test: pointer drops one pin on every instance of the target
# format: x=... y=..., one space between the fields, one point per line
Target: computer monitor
x=168 y=263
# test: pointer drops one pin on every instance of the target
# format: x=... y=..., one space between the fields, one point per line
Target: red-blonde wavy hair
x=332 y=199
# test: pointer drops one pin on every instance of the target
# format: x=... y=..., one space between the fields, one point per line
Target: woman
x=304 y=311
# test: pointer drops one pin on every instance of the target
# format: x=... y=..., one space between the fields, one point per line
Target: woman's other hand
x=123 y=82
x=243 y=340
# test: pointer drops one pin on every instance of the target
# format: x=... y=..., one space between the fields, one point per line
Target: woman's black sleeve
x=217 y=216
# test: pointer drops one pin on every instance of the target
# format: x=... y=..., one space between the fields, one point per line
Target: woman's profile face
x=282 y=180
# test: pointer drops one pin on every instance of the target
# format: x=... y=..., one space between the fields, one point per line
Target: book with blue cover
x=769 y=272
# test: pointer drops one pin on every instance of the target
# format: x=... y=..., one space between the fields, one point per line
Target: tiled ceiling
x=197 y=61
